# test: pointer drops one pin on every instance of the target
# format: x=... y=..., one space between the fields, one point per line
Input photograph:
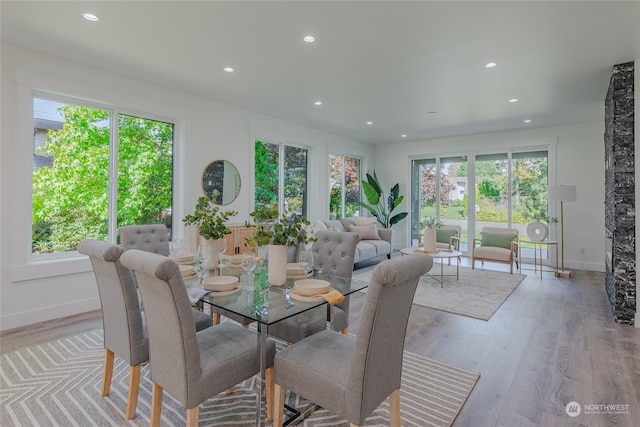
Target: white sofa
x=374 y=242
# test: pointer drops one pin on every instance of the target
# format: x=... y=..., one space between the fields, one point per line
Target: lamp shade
x=562 y=193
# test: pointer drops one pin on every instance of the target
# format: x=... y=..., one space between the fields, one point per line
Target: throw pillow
x=443 y=236
x=364 y=220
x=366 y=232
x=499 y=240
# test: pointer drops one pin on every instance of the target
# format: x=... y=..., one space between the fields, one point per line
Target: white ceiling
x=389 y=62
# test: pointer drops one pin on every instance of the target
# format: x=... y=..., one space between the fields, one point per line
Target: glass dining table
x=266 y=305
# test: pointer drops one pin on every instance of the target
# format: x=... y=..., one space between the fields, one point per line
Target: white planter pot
x=277 y=263
x=212 y=263
x=430 y=240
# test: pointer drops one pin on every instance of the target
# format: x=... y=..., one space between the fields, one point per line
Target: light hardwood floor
x=552 y=342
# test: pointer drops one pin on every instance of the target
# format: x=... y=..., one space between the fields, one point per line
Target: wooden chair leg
x=278 y=405
x=156 y=405
x=216 y=318
x=345 y=331
x=134 y=387
x=107 y=372
x=473 y=263
x=245 y=326
x=229 y=390
x=193 y=414
x=269 y=391
x=394 y=408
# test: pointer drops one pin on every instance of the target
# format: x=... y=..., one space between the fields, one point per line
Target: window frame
x=281 y=149
x=342 y=176
x=29 y=85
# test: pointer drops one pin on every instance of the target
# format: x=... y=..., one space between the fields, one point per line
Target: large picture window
x=344 y=176
x=95 y=170
x=281 y=174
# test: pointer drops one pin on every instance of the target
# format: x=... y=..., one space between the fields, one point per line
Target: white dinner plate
x=237 y=289
x=233 y=259
x=220 y=283
x=312 y=286
x=186 y=270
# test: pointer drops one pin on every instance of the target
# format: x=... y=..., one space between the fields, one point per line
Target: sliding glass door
x=439 y=190
x=504 y=189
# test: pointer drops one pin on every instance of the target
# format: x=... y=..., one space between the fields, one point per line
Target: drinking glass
x=203 y=255
x=177 y=246
x=248 y=265
x=305 y=261
x=222 y=247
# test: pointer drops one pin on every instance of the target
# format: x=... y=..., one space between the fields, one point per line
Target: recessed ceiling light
x=228 y=69
x=404 y=135
x=491 y=64
x=317 y=103
x=513 y=100
x=527 y=121
x=369 y=123
x=89 y=16
x=309 y=39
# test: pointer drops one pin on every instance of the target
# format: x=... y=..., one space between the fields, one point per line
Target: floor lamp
x=562 y=193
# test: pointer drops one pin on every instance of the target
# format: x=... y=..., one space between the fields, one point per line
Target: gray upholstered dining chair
x=351 y=376
x=154 y=238
x=333 y=253
x=147 y=237
x=123 y=322
x=192 y=366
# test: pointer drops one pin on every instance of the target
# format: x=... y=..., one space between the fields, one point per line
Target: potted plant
x=279 y=232
x=211 y=223
x=377 y=206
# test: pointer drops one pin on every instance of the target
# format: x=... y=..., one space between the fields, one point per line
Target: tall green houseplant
x=375 y=196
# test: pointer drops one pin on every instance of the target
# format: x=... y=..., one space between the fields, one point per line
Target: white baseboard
x=40 y=314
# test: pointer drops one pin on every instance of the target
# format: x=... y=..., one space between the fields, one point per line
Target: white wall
x=579 y=153
x=207 y=130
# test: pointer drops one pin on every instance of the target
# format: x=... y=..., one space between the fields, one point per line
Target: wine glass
x=305 y=261
x=203 y=255
x=248 y=265
x=222 y=247
x=177 y=246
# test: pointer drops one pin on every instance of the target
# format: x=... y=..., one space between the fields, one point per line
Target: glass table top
x=269 y=304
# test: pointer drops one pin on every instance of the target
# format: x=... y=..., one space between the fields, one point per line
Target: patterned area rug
x=58 y=384
x=478 y=293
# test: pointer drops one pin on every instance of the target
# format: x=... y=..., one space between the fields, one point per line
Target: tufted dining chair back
x=123 y=321
x=192 y=366
x=370 y=364
x=334 y=253
x=149 y=238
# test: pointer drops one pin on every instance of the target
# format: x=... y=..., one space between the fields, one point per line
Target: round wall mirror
x=221 y=182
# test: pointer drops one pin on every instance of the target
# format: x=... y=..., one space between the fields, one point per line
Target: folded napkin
x=332 y=297
x=195 y=294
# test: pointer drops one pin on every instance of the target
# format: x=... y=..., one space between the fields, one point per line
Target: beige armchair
x=496 y=244
x=447 y=237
